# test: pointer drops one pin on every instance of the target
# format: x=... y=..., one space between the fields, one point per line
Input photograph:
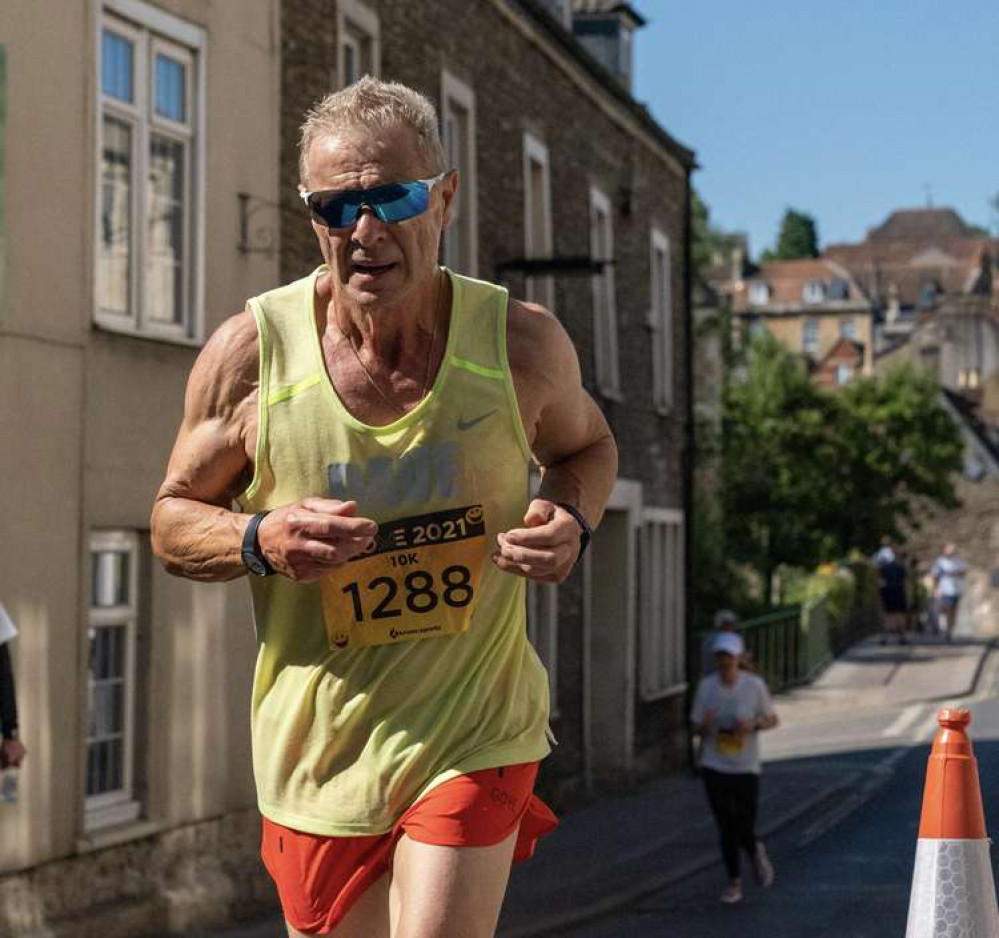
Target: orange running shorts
x=319 y=878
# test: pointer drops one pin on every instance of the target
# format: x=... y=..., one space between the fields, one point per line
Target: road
x=846 y=872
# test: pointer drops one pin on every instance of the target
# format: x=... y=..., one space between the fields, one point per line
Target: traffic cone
x=953 y=894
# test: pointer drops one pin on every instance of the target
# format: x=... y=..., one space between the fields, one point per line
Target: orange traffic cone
x=953 y=895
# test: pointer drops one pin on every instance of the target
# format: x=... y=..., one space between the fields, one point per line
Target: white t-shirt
x=7 y=628
x=950 y=573
x=748 y=699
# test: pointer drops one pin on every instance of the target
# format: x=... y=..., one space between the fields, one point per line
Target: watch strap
x=585 y=531
x=251 y=548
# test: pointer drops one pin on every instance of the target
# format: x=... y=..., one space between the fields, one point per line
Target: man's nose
x=369 y=228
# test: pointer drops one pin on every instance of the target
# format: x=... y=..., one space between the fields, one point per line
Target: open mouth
x=371 y=270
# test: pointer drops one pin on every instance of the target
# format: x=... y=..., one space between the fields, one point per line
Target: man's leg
x=448 y=892
x=367 y=918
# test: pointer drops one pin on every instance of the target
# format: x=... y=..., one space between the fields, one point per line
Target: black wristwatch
x=253 y=557
x=585 y=531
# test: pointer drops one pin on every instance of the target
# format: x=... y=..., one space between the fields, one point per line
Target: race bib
x=419 y=580
x=730 y=743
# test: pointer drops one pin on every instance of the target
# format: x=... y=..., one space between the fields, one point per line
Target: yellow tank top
x=410 y=665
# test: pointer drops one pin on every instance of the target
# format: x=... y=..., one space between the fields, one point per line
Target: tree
x=798 y=237
x=905 y=451
x=779 y=445
x=810 y=476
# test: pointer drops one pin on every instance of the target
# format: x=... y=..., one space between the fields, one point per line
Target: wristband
x=585 y=531
x=253 y=557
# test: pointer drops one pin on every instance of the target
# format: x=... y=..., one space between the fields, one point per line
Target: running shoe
x=762 y=867
x=731 y=894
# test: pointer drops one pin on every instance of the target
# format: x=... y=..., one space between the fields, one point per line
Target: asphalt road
x=848 y=872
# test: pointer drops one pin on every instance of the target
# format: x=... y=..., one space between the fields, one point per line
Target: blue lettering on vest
x=414 y=478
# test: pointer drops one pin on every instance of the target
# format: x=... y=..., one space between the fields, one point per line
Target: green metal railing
x=788 y=646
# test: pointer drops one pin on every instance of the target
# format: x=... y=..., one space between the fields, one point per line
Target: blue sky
x=845 y=110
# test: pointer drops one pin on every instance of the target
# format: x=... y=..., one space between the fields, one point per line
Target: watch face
x=254 y=564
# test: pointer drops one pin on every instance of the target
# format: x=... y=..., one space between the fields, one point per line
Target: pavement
x=839 y=743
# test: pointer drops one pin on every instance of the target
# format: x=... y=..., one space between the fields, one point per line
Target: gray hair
x=373 y=103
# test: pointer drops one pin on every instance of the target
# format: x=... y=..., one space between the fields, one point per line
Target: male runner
x=375 y=422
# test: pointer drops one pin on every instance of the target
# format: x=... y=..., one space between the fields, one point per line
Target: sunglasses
x=395 y=202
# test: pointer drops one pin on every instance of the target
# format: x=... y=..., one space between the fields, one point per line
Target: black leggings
x=733 y=800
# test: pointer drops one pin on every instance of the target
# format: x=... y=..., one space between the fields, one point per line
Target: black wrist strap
x=585 y=531
x=251 y=544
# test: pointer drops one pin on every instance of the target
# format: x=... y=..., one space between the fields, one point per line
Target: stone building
x=132 y=129
x=562 y=169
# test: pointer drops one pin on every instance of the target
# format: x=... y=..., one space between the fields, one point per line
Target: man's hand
x=304 y=540
x=545 y=549
x=12 y=753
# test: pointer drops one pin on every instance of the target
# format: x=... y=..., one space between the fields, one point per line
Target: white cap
x=729 y=643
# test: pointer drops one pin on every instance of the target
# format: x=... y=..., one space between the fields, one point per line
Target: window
x=561 y=10
x=759 y=294
x=848 y=329
x=844 y=373
x=661 y=321
x=149 y=192
x=359 y=44
x=662 y=650
x=538 y=217
x=542 y=631
x=461 y=239
x=969 y=378
x=111 y=627
x=604 y=305
x=757 y=329
x=814 y=291
x=810 y=337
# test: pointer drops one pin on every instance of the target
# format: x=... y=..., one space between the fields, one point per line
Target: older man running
x=375 y=422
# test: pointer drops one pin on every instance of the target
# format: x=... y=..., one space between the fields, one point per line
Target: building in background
x=574 y=197
x=812 y=307
x=132 y=130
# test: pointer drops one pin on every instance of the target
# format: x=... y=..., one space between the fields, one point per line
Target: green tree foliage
x=798 y=237
x=809 y=476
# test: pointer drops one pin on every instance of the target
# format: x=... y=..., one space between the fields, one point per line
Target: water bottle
x=8 y=786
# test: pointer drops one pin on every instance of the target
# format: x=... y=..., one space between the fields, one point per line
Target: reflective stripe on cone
x=953 y=895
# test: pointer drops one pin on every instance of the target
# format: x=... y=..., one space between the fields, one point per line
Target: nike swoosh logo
x=464 y=424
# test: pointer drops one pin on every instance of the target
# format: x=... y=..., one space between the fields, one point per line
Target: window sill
x=133 y=333
x=673 y=690
x=101 y=839
x=612 y=394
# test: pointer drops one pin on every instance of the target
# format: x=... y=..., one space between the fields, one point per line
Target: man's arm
x=195 y=533
x=570 y=440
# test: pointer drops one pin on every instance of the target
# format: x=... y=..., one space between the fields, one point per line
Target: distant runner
x=731 y=707
x=948 y=572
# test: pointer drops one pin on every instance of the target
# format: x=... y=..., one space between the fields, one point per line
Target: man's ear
x=449 y=190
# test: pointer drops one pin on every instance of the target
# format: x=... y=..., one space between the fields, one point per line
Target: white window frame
x=356 y=20
x=456 y=92
x=759 y=293
x=662 y=626
x=809 y=342
x=542 y=632
x=844 y=373
x=152 y=30
x=538 y=289
x=814 y=291
x=848 y=329
x=604 y=299
x=118 y=807
x=661 y=319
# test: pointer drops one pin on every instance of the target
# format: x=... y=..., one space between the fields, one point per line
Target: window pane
x=110 y=584
x=165 y=204
x=349 y=63
x=117 y=55
x=171 y=89
x=114 y=260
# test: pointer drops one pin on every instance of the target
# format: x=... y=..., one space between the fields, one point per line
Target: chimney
x=606 y=29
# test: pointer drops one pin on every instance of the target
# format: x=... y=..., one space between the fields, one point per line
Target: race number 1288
x=386 y=597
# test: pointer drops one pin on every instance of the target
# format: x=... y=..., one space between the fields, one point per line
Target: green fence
x=788 y=646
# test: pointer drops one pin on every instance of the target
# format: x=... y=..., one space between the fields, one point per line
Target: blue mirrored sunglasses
x=395 y=202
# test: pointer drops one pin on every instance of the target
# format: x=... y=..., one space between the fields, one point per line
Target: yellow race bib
x=419 y=580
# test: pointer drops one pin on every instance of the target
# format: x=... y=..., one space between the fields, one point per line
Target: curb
x=615 y=900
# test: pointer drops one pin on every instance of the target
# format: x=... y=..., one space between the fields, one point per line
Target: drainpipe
x=687 y=463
